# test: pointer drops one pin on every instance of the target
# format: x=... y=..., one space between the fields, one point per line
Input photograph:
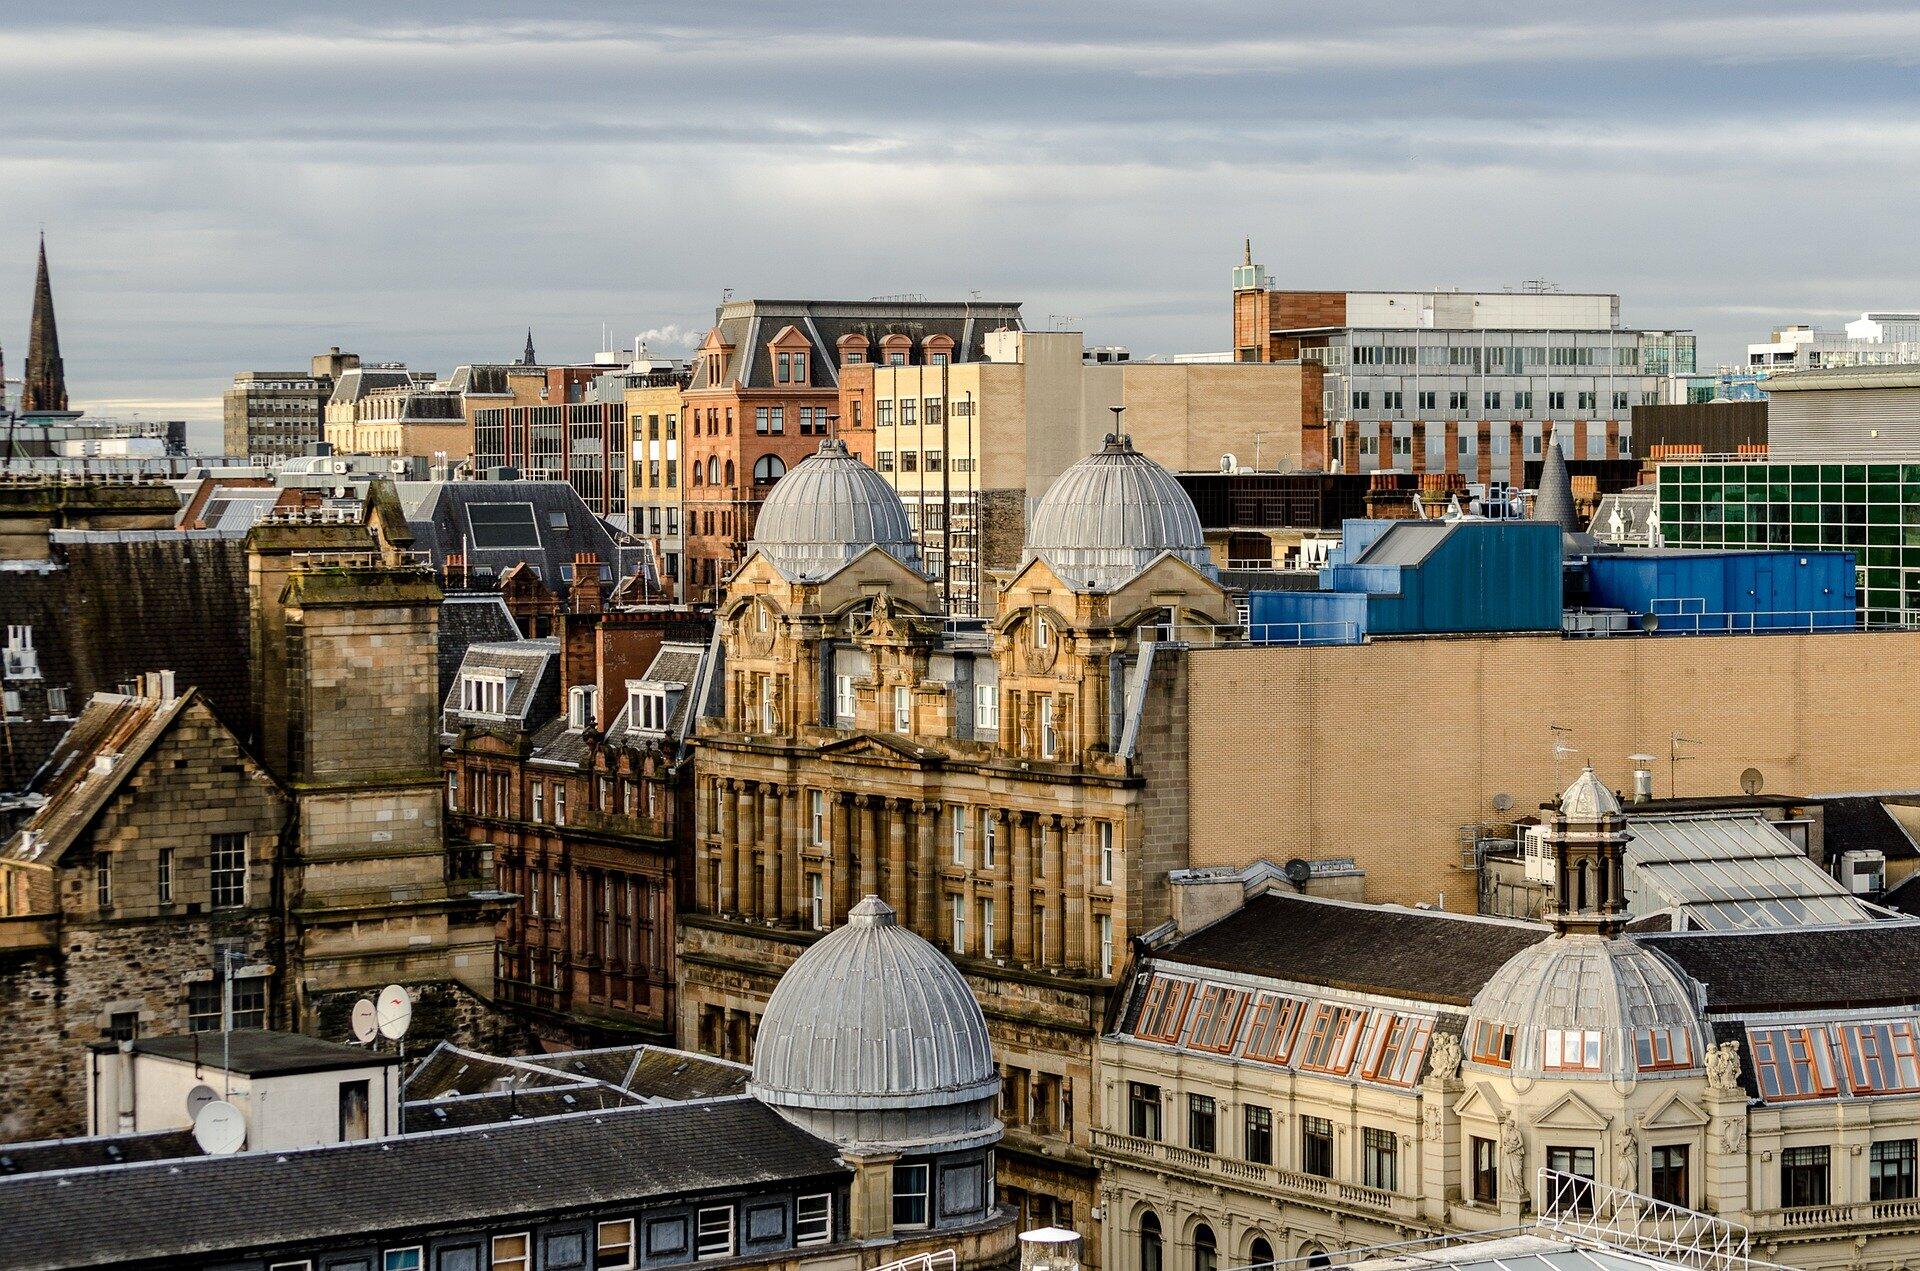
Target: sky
x=241 y=185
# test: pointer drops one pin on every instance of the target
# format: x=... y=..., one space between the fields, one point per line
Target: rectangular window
x=959 y=817
x=817 y=816
x=957 y=935
x=1164 y=1012
x=401 y=1259
x=1571 y=1049
x=1658 y=1048
x=989 y=839
x=1275 y=1027
x=883 y=414
x=510 y=1253
x=988 y=932
x=769 y=705
x=986 y=706
x=1396 y=1045
x=1379 y=1158
x=760 y=420
x=714 y=1232
x=813 y=1220
x=1573 y=1192
x=1049 y=738
x=786 y=368
x=1880 y=1057
x=228 y=866
x=1890 y=1170
x=1103 y=835
x=1256 y=1138
x=843 y=703
x=909 y=1196
x=1143 y=1110
x=539 y=800
x=1491 y=1043
x=817 y=901
x=1316 y=1146
x=1216 y=1018
x=1668 y=1179
x=1486 y=1171
x=1200 y=1122
x=1792 y=1063
x=902 y=709
x=1333 y=1039
x=1803 y=1177
x=1104 y=924
x=778 y=424
x=613 y=1246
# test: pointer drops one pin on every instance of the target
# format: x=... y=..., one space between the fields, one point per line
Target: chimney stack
x=1642 y=777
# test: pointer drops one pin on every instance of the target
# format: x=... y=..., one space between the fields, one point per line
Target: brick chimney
x=589 y=594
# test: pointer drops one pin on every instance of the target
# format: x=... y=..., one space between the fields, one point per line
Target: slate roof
x=101 y=1149
x=1905 y=898
x=88 y=767
x=1408 y=953
x=535 y=694
x=413 y=1183
x=263 y=1052
x=1636 y=507
x=467 y=620
x=467 y=1110
x=1806 y=968
x=436 y=512
x=554 y=742
x=750 y=326
x=1860 y=823
x=637 y=1072
x=677 y=662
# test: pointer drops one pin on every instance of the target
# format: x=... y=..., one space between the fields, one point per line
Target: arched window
x=1318 y=1259
x=1152 y=1251
x=729 y=472
x=713 y=469
x=1580 y=887
x=768 y=468
x=1206 y=1253
x=699 y=472
x=1261 y=1252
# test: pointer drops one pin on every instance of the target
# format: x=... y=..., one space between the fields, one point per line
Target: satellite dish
x=1298 y=872
x=366 y=1025
x=197 y=1098
x=220 y=1130
x=393 y=1012
x=1502 y=802
x=1650 y=622
x=1751 y=781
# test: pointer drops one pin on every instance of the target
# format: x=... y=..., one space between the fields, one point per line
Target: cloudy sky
x=230 y=185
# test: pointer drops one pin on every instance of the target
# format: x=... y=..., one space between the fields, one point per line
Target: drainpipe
x=123 y=1086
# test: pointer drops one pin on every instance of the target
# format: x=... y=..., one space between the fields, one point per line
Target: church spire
x=527 y=358
x=43 y=384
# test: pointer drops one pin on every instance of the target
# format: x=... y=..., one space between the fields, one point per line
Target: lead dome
x=1110 y=516
x=826 y=512
x=873 y=1041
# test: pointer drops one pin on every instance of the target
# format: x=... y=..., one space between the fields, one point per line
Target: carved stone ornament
x=1723 y=1066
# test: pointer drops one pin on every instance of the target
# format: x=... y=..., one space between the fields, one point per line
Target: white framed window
x=559 y=901
x=902 y=709
x=103 y=880
x=1042 y=632
x=958 y=934
x=817 y=816
x=986 y=927
x=511 y=1253
x=1103 y=835
x=960 y=819
x=56 y=701
x=652 y=703
x=909 y=1196
x=989 y=838
x=714 y=1232
x=559 y=803
x=613 y=1246
x=228 y=869
x=164 y=880
x=1049 y=736
x=813 y=1220
x=1103 y=923
x=484 y=694
x=539 y=800
x=817 y=901
x=843 y=704
x=769 y=714
x=407 y=1259
x=453 y=791
x=986 y=706
x=762 y=619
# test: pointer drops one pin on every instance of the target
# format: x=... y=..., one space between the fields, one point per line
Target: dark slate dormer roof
x=1409 y=953
x=467 y=619
x=556 y=743
x=550 y=526
x=261 y=1052
x=1860 y=965
x=394 y=1187
x=677 y=663
x=535 y=696
x=749 y=326
x=103 y=1149
x=1863 y=824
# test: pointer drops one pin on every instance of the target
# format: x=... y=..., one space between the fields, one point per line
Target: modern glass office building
x=1869 y=509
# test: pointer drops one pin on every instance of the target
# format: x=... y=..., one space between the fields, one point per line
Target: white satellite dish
x=1229 y=462
x=197 y=1098
x=393 y=1012
x=365 y=1024
x=220 y=1130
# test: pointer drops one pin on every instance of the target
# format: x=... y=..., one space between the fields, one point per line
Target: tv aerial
x=219 y=1129
x=393 y=1012
x=366 y=1024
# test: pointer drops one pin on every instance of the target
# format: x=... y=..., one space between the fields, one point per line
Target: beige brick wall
x=1383 y=751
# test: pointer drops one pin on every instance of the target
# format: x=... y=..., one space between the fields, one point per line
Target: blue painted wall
x=1720 y=591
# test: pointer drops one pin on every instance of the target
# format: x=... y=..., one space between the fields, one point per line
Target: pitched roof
x=749 y=326
x=533 y=670
x=101 y=1149
x=413 y=1183
x=1861 y=965
x=1411 y=953
x=1863 y=824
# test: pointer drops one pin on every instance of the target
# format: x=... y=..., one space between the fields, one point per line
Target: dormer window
x=486 y=693
x=21 y=660
x=650 y=706
x=895 y=349
x=581 y=703
x=853 y=349
x=939 y=350
x=790 y=368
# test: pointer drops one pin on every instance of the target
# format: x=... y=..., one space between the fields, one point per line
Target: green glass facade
x=1869 y=509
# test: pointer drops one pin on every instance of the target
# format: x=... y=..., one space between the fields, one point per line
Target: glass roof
x=1731 y=873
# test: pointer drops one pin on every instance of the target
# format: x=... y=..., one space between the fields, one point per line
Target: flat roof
x=262 y=1053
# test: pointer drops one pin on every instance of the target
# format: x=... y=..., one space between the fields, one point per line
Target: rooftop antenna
x=1674 y=757
x=1560 y=751
x=392 y=1012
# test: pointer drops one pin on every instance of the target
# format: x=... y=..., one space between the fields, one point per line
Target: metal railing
x=1578 y=1208
x=939 y=1260
x=1272 y=1178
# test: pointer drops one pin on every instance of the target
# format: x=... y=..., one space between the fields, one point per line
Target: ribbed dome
x=1581 y=983
x=872 y=1037
x=1588 y=799
x=1110 y=516
x=827 y=511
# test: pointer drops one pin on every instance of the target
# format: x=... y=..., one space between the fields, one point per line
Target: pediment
x=1675 y=1112
x=1572 y=1112
x=1480 y=1100
x=879 y=746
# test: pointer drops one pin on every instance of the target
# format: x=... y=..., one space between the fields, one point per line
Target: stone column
x=871 y=845
x=792 y=903
x=1023 y=888
x=1003 y=884
x=1057 y=852
x=926 y=891
x=893 y=813
x=745 y=833
x=703 y=897
x=844 y=812
x=1075 y=912
x=729 y=847
x=770 y=853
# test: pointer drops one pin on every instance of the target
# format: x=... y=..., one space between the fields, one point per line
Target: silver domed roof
x=1588 y=799
x=873 y=1037
x=1582 y=983
x=1111 y=515
x=828 y=510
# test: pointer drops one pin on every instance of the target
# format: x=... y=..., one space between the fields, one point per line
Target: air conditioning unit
x=1863 y=872
x=1538 y=853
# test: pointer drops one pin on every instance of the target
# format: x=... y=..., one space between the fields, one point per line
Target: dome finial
x=872 y=912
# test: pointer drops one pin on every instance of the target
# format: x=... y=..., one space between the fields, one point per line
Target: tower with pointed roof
x=527 y=358
x=1588 y=834
x=43 y=385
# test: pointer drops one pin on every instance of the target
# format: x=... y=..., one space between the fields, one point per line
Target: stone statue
x=1432 y=1120
x=1443 y=1056
x=1627 y=1176
x=1513 y=1158
x=1723 y=1066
